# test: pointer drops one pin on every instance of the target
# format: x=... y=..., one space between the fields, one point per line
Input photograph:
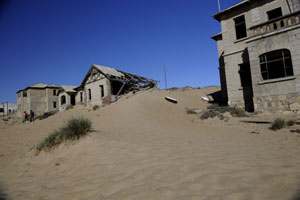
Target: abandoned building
x=66 y=96
x=102 y=85
x=39 y=97
x=259 y=55
x=7 y=108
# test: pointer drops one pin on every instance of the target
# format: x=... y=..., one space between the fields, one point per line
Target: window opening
x=240 y=27
x=276 y=64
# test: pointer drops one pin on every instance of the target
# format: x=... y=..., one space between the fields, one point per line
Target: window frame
x=265 y=63
x=239 y=24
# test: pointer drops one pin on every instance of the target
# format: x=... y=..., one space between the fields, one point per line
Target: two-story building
x=259 y=55
x=39 y=98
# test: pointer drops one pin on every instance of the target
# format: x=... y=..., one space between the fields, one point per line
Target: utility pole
x=219 y=5
x=7 y=108
x=165 y=77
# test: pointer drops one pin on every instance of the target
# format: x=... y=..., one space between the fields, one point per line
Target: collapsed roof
x=131 y=80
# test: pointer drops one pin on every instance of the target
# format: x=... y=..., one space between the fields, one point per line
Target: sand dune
x=144 y=147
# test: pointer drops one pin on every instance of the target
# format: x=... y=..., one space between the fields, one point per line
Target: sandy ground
x=144 y=147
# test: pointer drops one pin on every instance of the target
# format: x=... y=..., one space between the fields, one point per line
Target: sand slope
x=144 y=147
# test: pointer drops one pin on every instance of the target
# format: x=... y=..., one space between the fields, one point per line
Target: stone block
x=294 y=106
x=287 y=112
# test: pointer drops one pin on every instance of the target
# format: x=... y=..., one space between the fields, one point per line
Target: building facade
x=102 y=85
x=7 y=108
x=66 y=96
x=259 y=55
x=39 y=98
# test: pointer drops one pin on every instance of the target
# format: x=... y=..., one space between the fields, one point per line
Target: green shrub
x=73 y=130
x=291 y=122
x=95 y=107
x=278 y=124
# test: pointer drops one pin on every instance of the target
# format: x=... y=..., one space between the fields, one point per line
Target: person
x=25 y=116
x=31 y=116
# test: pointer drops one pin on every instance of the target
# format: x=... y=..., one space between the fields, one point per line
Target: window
x=102 y=91
x=273 y=14
x=276 y=64
x=81 y=97
x=63 y=100
x=54 y=104
x=54 y=92
x=1 y=110
x=24 y=94
x=90 y=94
x=240 y=27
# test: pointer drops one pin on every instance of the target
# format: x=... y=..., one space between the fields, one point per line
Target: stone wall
x=287 y=103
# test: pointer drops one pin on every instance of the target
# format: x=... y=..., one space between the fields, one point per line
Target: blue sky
x=56 y=41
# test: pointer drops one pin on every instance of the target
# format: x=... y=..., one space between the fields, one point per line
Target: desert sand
x=144 y=147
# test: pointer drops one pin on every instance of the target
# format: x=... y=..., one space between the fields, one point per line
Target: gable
x=94 y=76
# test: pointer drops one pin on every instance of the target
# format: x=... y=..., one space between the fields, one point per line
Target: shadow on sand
x=3 y=196
x=296 y=196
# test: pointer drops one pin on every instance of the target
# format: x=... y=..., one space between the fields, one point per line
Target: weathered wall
x=96 y=92
x=50 y=99
x=68 y=101
x=37 y=101
x=274 y=92
x=255 y=13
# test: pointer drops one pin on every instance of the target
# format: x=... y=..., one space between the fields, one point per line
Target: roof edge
x=217 y=15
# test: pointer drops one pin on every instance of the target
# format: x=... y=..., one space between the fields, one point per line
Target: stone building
x=39 y=97
x=66 y=96
x=259 y=55
x=102 y=85
x=7 y=108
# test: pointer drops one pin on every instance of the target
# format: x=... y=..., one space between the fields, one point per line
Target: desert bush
x=74 y=129
x=278 y=124
x=95 y=107
x=69 y=107
x=291 y=122
x=191 y=111
x=216 y=110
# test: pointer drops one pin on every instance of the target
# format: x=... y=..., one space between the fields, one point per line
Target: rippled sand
x=144 y=147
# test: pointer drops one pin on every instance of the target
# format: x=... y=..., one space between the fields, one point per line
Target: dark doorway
x=73 y=102
x=116 y=86
x=246 y=82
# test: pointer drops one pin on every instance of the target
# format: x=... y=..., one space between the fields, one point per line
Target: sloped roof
x=40 y=86
x=108 y=70
x=68 y=88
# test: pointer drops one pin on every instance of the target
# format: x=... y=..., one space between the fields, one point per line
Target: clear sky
x=56 y=41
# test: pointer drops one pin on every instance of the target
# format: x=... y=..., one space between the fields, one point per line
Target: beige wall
x=96 y=92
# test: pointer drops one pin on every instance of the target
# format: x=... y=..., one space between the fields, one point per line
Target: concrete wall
x=50 y=99
x=94 y=86
x=68 y=101
x=256 y=13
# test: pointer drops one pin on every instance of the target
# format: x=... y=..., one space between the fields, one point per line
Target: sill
x=242 y=39
x=276 y=80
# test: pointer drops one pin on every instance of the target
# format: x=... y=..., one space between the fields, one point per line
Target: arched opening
x=63 y=100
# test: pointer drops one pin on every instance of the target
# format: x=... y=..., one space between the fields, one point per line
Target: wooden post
x=219 y=5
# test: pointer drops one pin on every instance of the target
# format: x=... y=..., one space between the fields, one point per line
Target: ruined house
x=7 y=108
x=102 y=85
x=67 y=96
x=39 y=97
x=259 y=55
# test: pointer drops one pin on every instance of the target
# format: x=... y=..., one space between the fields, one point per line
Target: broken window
x=240 y=27
x=276 y=64
x=54 y=104
x=101 y=91
x=63 y=100
x=54 y=92
x=24 y=94
x=273 y=14
x=81 y=97
x=90 y=94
